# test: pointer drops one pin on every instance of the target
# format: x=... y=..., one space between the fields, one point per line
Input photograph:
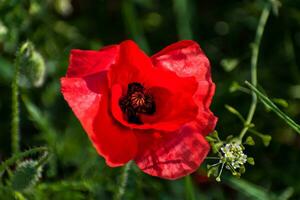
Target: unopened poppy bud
x=26 y=175
x=32 y=66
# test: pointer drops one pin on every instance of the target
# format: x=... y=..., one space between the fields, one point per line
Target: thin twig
x=255 y=51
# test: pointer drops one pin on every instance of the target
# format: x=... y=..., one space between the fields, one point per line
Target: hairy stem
x=255 y=51
x=15 y=122
x=123 y=182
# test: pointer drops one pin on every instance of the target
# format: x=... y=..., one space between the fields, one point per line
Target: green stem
x=189 y=188
x=274 y=108
x=19 y=156
x=255 y=52
x=123 y=182
x=15 y=122
x=42 y=161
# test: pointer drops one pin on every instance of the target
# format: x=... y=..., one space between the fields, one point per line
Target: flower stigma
x=135 y=102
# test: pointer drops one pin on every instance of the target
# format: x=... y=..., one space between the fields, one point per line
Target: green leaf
x=264 y=99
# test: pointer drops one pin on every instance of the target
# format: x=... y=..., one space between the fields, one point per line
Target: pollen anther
x=136 y=102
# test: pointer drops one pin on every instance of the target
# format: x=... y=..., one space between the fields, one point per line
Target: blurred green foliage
x=224 y=29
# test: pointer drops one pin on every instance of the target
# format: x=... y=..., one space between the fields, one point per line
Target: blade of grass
x=247 y=188
x=264 y=99
x=189 y=188
x=132 y=24
x=183 y=15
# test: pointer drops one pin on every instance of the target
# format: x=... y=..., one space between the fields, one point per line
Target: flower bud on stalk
x=26 y=175
x=32 y=66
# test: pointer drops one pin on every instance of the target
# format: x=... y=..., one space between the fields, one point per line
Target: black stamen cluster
x=136 y=102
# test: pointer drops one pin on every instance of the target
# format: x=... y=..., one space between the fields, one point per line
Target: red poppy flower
x=154 y=110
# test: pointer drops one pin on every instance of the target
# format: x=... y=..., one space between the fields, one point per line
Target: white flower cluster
x=234 y=155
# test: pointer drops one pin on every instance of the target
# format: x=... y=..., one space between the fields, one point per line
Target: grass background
x=224 y=29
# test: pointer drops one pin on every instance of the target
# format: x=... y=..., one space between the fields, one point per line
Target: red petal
x=87 y=62
x=117 y=143
x=132 y=66
x=186 y=59
x=88 y=99
x=172 y=155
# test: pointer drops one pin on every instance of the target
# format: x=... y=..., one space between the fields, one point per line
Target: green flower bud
x=32 y=66
x=26 y=175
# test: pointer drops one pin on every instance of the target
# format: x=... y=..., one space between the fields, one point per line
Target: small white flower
x=233 y=155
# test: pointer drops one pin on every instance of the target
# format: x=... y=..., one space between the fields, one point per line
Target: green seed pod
x=250 y=141
x=32 y=66
x=26 y=175
x=250 y=160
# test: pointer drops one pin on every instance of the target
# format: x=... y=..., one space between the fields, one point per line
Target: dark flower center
x=136 y=101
